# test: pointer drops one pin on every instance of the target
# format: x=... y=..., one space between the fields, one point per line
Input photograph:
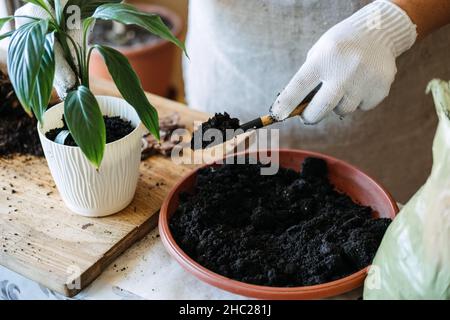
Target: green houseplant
x=85 y=175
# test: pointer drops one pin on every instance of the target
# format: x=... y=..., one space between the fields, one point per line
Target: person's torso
x=252 y=48
x=242 y=54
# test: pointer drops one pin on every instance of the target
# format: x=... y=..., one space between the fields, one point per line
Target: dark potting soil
x=133 y=36
x=116 y=128
x=18 y=131
x=221 y=122
x=290 y=229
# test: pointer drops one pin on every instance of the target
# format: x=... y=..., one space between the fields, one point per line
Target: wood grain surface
x=42 y=240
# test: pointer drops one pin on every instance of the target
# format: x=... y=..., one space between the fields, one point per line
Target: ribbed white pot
x=85 y=190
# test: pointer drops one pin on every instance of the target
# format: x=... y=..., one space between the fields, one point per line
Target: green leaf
x=59 y=11
x=25 y=54
x=127 y=14
x=88 y=7
x=40 y=3
x=87 y=24
x=86 y=125
x=44 y=83
x=6 y=35
x=130 y=87
x=5 y=20
x=441 y=96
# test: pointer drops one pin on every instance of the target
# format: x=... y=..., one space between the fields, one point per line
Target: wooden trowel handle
x=267 y=120
x=299 y=110
x=302 y=106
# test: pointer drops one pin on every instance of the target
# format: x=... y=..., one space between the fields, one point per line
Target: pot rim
x=139 y=127
x=324 y=290
x=169 y=14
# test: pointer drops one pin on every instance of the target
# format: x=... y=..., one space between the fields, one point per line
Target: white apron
x=243 y=52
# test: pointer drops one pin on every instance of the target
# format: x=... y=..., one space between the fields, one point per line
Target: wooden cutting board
x=42 y=240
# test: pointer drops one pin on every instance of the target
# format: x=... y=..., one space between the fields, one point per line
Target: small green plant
x=31 y=67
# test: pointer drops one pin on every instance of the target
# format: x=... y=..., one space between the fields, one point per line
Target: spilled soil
x=290 y=229
x=18 y=131
x=221 y=122
x=167 y=125
x=116 y=128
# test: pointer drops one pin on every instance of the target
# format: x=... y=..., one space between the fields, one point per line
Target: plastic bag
x=413 y=261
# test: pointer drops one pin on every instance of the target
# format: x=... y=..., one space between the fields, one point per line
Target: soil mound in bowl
x=290 y=229
x=116 y=128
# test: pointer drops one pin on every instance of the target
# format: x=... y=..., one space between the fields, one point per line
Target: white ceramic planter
x=85 y=190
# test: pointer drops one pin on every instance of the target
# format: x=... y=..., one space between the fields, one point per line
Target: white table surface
x=145 y=271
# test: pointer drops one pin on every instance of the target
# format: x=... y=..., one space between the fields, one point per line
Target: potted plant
x=151 y=57
x=94 y=178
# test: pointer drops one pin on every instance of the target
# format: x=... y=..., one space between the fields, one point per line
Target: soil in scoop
x=116 y=128
x=103 y=33
x=290 y=229
x=221 y=122
x=18 y=131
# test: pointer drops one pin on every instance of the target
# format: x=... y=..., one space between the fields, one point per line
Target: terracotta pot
x=345 y=177
x=153 y=62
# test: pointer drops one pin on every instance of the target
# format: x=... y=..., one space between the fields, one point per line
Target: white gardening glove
x=355 y=61
x=65 y=78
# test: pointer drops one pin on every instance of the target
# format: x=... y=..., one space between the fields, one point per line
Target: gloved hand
x=356 y=62
x=65 y=78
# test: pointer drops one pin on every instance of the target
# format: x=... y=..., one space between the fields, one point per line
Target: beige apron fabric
x=242 y=53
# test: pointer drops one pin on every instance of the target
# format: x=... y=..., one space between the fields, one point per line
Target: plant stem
x=78 y=53
x=84 y=73
x=62 y=39
x=88 y=60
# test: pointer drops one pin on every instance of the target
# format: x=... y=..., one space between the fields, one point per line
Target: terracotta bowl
x=345 y=177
